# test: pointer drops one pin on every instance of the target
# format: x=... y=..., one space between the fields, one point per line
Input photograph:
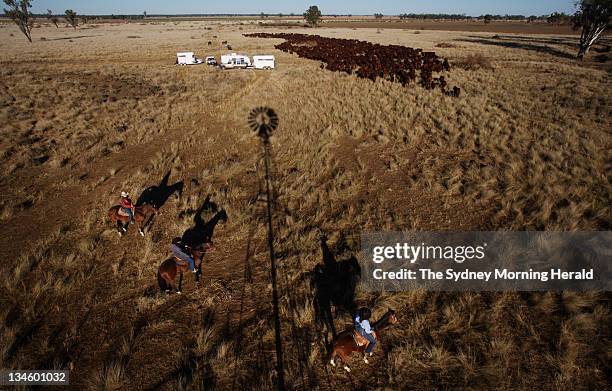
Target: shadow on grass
x=334 y=284
x=202 y=232
x=73 y=37
x=158 y=195
x=520 y=44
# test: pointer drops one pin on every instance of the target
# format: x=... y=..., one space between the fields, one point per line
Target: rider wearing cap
x=127 y=206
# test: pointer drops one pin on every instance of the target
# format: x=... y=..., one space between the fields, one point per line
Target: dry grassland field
x=91 y=112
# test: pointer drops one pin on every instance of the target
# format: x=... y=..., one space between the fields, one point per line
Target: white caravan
x=263 y=62
x=187 y=58
x=235 y=61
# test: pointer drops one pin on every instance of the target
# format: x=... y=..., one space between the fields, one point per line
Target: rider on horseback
x=362 y=326
x=180 y=251
x=127 y=206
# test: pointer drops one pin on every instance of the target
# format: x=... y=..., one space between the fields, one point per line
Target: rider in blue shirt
x=362 y=325
x=179 y=251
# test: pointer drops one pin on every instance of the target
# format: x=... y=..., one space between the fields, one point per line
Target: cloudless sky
x=356 y=7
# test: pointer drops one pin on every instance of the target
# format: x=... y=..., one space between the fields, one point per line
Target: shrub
x=473 y=62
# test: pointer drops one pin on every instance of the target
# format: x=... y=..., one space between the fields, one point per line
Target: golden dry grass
x=89 y=113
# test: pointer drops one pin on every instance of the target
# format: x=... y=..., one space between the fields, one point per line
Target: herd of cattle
x=368 y=60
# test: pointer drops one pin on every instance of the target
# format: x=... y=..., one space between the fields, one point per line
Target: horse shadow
x=202 y=232
x=158 y=195
x=334 y=284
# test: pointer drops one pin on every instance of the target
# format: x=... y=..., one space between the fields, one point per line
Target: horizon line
x=283 y=14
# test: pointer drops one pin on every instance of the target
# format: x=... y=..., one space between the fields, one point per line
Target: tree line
x=555 y=17
x=592 y=17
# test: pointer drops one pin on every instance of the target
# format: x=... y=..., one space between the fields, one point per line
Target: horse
x=170 y=268
x=344 y=344
x=143 y=215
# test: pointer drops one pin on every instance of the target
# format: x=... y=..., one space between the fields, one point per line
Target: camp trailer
x=263 y=62
x=187 y=58
x=234 y=60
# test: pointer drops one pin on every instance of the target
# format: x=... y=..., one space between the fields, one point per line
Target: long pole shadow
x=247 y=280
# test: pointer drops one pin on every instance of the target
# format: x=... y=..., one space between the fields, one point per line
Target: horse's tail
x=112 y=214
x=163 y=285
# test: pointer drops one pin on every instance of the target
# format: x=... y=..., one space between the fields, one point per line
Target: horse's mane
x=147 y=207
x=383 y=321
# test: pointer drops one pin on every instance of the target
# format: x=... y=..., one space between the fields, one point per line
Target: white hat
x=124 y=194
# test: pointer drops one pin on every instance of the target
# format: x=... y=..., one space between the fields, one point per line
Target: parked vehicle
x=211 y=60
x=187 y=58
x=263 y=62
x=234 y=60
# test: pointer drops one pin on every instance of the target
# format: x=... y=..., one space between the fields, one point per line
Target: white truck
x=263 y=62
x=234 y=60
x=210 y=60
x=187 y=58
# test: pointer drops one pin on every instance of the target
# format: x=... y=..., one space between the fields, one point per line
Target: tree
x=593 y=16
x=71 y=18
x=558 y=18
x=52 y=18
x=20 y=14
x=312 y=15
x=378 y=16
x=144 y=15
x=488 y=18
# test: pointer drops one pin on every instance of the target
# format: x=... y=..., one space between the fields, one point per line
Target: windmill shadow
x=334 y=284
x=202 y=232
x=158 y=195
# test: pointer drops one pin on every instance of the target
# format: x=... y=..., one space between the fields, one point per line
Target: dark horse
x=142 y=216
x=170 y=268
x=344 y=344
x=158 y=195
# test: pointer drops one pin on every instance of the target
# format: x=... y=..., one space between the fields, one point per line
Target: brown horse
x=344 y=344
x=142 y=216
x=170 y=268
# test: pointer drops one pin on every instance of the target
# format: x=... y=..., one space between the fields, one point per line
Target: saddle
x=360 y=340
x=180 y=262
x=121 y=212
